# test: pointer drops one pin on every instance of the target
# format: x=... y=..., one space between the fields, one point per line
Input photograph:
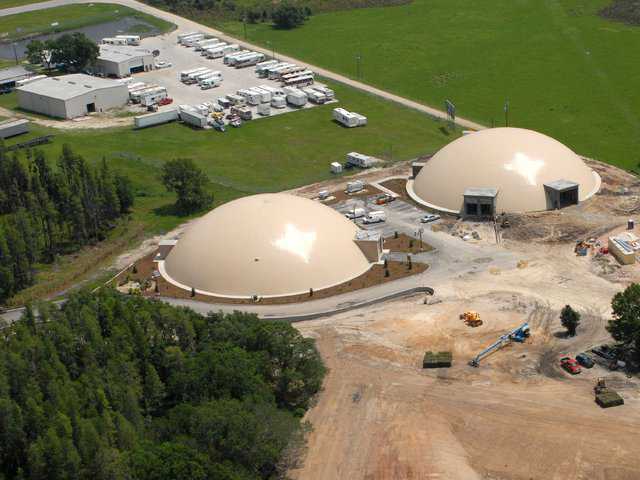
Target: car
x=430 y=217
x=163 y=64
x=585 y=360
x=570 y=365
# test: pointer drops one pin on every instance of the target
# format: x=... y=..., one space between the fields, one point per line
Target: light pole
x=273 y=49
x=358 y=59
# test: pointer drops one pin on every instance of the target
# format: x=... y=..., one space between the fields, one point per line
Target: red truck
x=570 y=365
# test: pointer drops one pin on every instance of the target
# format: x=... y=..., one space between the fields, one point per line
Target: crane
x=516 y=335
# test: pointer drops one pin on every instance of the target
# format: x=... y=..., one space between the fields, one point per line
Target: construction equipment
x=517 y=335
x=471 y=318
x=605 y=396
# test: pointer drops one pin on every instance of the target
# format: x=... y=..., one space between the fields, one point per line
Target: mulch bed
x=406 y=244
x=374 y=276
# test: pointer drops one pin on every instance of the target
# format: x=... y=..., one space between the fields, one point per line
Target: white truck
x=360 y=160
x=375 y=216
x=355 y=213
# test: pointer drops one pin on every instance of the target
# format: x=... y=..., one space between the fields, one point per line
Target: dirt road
x=184 y=25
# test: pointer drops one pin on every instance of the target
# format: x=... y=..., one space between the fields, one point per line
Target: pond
x=126 y=25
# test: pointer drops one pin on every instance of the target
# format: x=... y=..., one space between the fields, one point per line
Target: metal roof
x=13 y=73
x=561 y=185
x=66 y=87
x=121 y=53
x=480 y=192
x=13 y=122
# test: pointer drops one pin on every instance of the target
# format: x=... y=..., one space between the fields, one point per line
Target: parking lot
x=184 y=58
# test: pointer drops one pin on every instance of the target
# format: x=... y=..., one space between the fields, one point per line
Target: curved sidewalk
x=185 y=24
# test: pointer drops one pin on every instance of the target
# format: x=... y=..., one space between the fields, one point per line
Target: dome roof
x=515 y=161
x=266 y=245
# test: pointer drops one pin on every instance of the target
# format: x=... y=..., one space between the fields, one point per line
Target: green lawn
x=265 y=155
x=70 y=17
x=15 y=3
x=565 y=71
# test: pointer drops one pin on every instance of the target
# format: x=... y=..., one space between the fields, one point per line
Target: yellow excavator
x=471 y=318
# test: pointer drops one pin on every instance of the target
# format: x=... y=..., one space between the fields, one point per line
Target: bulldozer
x=471 y=318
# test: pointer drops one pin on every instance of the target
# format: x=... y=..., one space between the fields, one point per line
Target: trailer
x=191 y=41
x=181 y=36
x=224 y=102
x=236 y=99
x=131 y=39
x=355 y=186
x=193 y=118
x=153 y=96
x=296 y=97
x=193 y=77
x=360 y=160
x=260 y=67
x=348 y=119
x=222 y=51
x=330 y=94
x=274 y=90
x=265 y=95
x=263 y=72
x=301 y=81
x=314 y=96
x=278 y=101
x=264 y=109
x=210 y=82
x=184 y=75
x=156 y=118
x=290 y=72
x=250 y=61
x=252 y=98
x=205 y=51
x=201 y=44
x=114 y=41
x=274 y=72
x=229 y=56
x=243 y=112
x=138 y=95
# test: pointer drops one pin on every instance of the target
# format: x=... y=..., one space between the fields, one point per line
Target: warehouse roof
x=68 y=86
x=266 y=245
x=515 y=161
x=121 y=53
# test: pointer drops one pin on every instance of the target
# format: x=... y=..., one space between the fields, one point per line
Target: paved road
x=185 y=24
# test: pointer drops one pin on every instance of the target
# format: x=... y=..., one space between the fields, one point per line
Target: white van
x=355 y=213
x=376 y=216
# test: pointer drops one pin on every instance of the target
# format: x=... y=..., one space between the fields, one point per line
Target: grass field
x=266 y=155
x=70 y=17
x=565 y=71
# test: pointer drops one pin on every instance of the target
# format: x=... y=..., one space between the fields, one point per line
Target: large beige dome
x=266 y=245
x=516 y=162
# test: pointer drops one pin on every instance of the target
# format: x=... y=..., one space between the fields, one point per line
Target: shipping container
x=193 y=118
x=156 y=118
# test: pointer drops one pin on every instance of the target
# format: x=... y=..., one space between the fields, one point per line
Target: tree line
x=71 y=52
x=46 y=211
x=120 y=387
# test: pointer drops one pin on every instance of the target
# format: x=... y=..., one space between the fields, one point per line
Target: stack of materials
x=624 y=247
x=437 y=359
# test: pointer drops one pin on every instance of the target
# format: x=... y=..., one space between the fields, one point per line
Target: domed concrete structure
x=503 y=170
x=266 y=245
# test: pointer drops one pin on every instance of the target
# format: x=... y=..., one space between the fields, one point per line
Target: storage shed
x=70 y=96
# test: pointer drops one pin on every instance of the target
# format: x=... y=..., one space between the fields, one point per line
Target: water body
x=126 y=25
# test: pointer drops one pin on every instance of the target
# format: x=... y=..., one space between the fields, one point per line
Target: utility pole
x=506 y=113
x=358 y=59
x=244 y=26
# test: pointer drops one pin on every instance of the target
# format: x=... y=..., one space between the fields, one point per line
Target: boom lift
x=519 y=334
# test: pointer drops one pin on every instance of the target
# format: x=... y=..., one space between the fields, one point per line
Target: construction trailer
x=184 y=75
x=624 y=247
x=348 y=119
x=360 y=160
x=130 y=39
x=13 y=127
x=437 y=359
x=299 y=81
x=156 y=118
x=519 y=334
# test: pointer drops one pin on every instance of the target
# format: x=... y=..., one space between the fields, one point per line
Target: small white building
x=70 y=96
x=123 y=60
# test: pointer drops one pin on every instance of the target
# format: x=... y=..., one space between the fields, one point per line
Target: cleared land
x=565 y=70
x=70 y=17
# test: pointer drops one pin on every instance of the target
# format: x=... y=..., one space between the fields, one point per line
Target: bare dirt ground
x=518 y=416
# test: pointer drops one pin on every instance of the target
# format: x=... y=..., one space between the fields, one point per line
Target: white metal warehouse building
x=121 y=61
x=71 y=96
